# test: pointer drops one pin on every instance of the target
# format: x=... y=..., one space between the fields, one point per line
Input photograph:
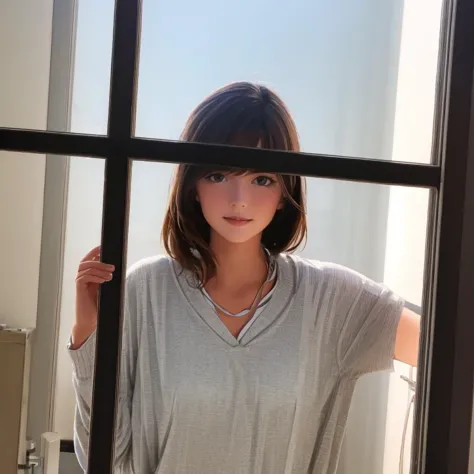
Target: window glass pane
x=48 y=206
x=57 y=61
x=25 y=53
x=358 y=77
x=22 y=179
x=83 y=228
x=33 y=191
x=93 y=55
x=379 y=231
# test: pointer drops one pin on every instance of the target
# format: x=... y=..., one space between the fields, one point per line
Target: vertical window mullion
x=121 y=120
x=446 y=387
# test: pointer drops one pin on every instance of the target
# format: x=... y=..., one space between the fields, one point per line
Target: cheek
x=209 y=197
x=268 y=200
x=202 y=192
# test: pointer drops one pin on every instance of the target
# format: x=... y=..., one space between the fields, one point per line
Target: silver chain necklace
x=272 y=269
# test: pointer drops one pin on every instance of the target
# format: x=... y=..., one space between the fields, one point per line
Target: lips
x=237 y=220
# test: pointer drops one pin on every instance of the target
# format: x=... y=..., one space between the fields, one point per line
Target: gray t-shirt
x=196 y=400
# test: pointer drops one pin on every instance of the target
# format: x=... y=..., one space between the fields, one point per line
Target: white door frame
x=44 y=350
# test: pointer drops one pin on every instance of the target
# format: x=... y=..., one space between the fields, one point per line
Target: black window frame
x=445 y=381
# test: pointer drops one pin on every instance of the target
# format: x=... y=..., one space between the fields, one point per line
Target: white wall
x=25 y=51
x=25 y=45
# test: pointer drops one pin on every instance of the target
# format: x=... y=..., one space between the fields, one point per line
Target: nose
x=238 y=194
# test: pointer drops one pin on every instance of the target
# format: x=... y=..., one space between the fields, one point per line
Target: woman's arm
x=407 y=339
x=83 y=355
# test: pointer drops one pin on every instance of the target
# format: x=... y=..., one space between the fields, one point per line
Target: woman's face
x=238 y=208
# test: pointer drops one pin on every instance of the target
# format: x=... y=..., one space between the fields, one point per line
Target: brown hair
x=242 y=114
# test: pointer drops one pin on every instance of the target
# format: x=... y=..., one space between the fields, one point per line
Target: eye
x=264 y=181
x=215 y=178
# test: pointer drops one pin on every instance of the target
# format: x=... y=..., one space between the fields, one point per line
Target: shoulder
x=334 y=277
x=310 y=268
x=149 y=268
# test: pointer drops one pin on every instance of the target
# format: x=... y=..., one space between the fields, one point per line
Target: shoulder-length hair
x=241 y=114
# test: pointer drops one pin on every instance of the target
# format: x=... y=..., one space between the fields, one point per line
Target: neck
x=239 y=264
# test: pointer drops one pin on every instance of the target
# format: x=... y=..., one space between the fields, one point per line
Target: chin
x=237 y=237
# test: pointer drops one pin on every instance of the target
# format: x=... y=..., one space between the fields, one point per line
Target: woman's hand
x=90 y=275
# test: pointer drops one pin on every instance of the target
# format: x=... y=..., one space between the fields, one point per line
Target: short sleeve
x=370 y=315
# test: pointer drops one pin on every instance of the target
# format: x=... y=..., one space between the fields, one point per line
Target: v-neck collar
x=270 y=313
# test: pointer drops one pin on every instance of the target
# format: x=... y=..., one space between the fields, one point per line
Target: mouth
x=237 y=220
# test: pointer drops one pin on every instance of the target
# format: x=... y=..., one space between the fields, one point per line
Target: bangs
x=244 y=115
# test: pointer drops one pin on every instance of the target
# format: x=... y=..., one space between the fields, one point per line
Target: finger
x=99 y=265
x=95 y=272
x=90 y=279
x=95 y=252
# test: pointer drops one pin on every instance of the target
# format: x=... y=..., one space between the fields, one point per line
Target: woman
x=238 y=357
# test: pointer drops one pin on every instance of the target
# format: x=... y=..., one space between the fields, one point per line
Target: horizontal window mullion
x=55 y=143
x=307 y=164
